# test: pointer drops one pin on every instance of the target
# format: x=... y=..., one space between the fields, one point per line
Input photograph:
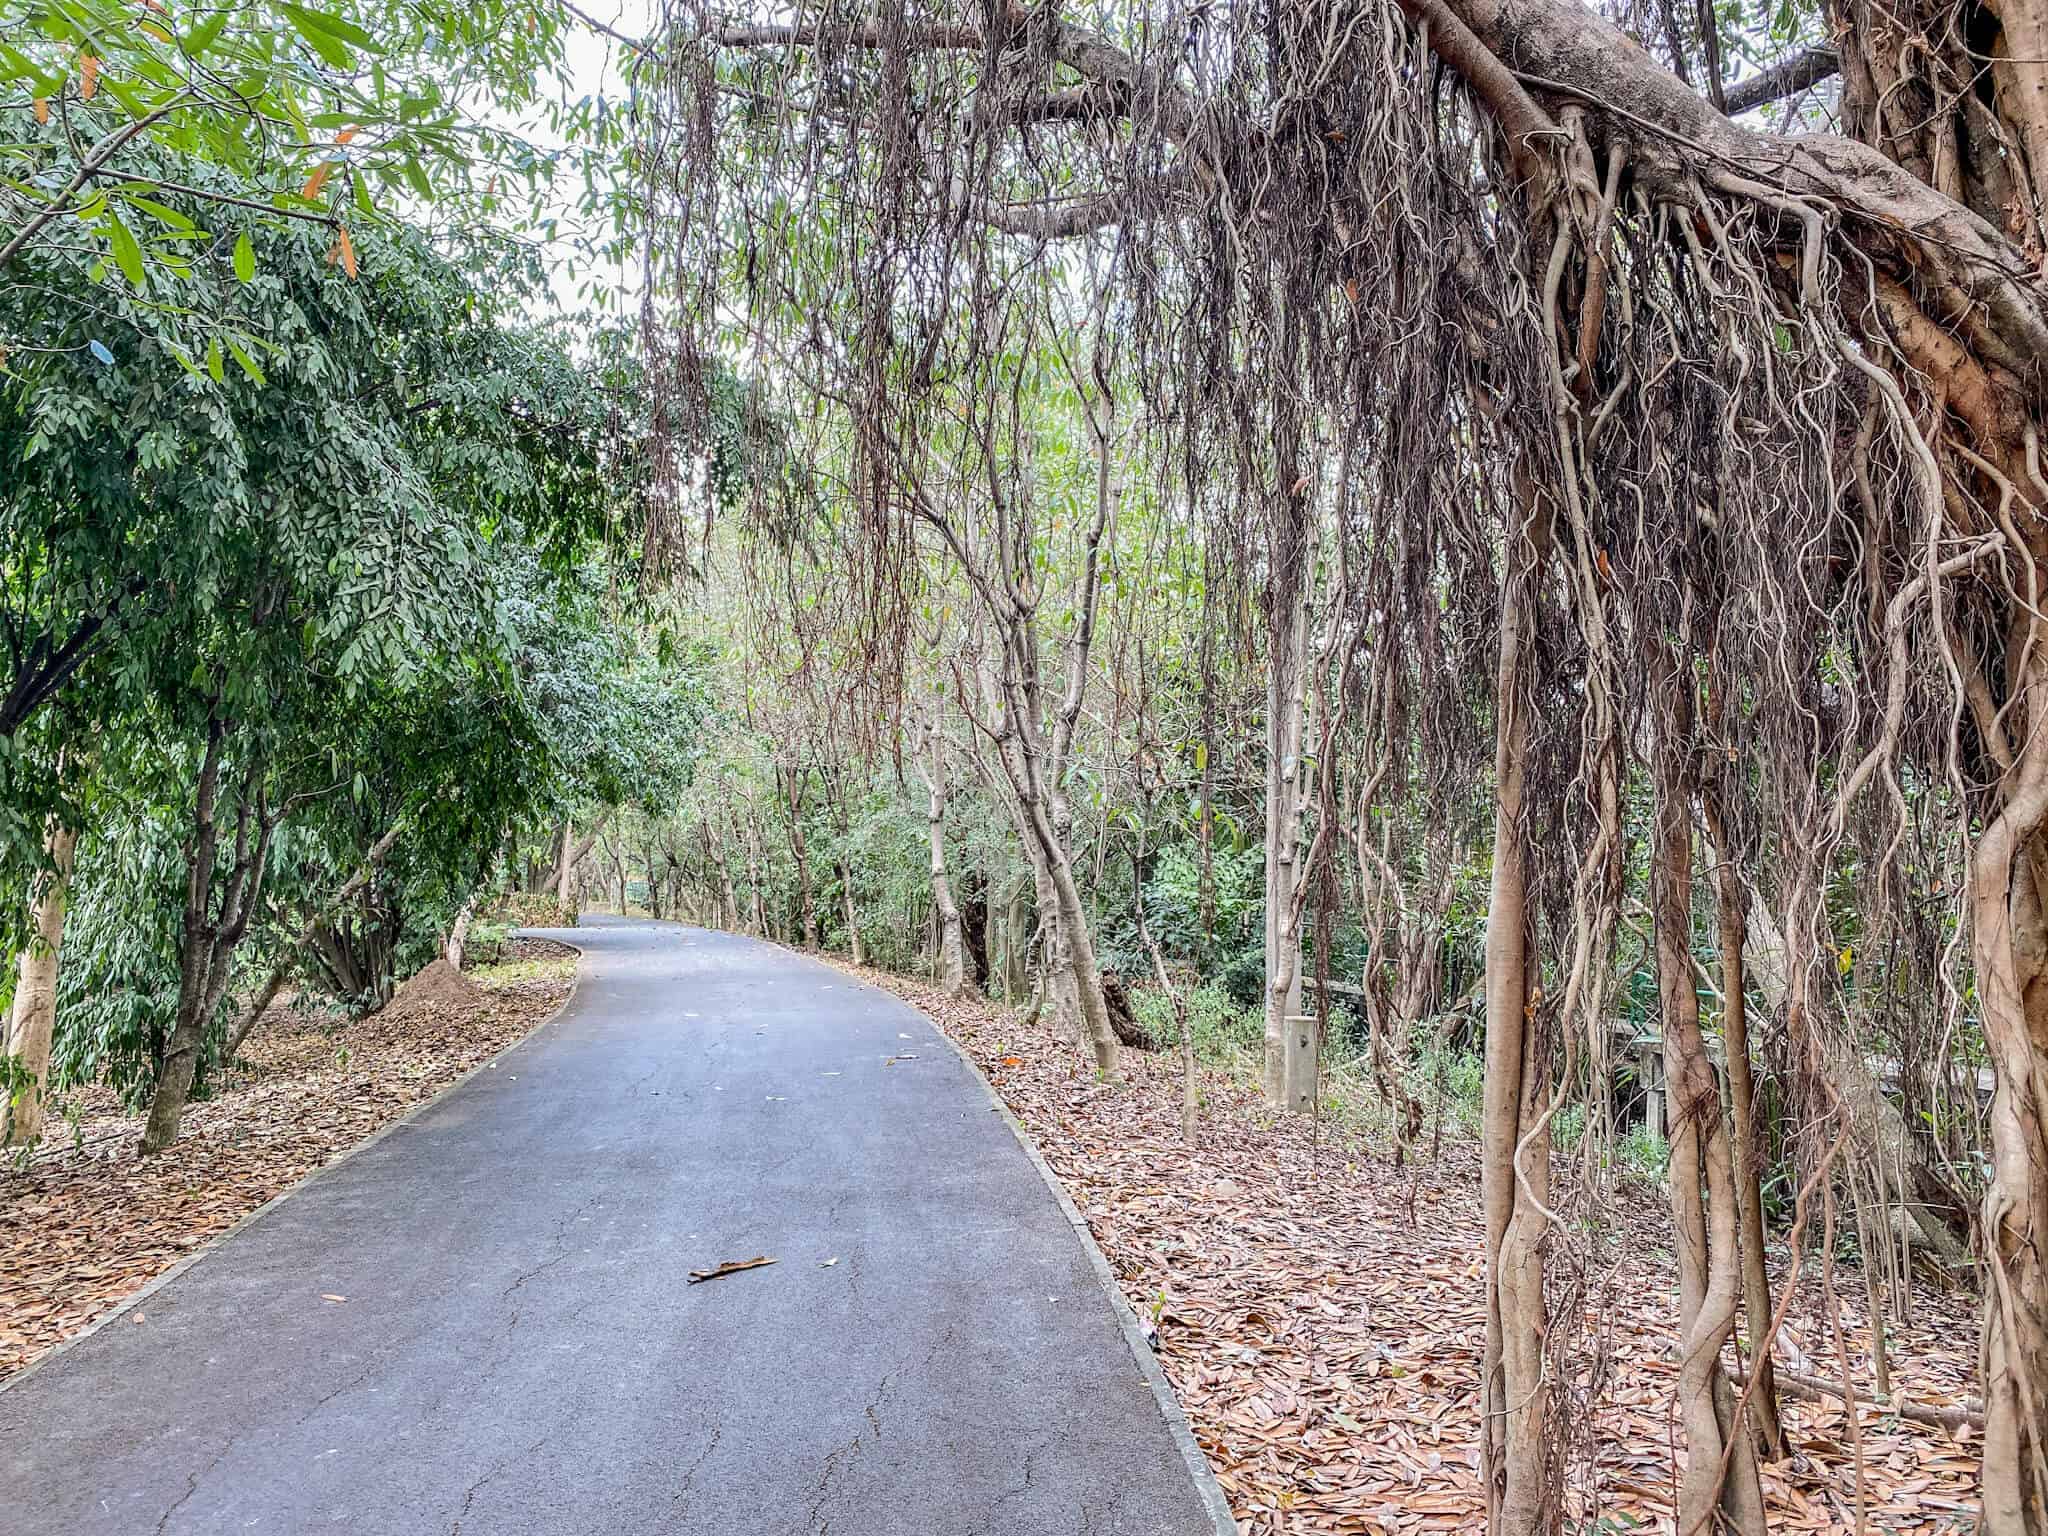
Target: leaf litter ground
x=1321 y=1315
x=84 y=1222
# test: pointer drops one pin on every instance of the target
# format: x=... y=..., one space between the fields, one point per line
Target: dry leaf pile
x=84 y=1221
x=1321 y=1315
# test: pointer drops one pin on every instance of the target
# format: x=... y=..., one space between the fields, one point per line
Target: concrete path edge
x=1170 y=1410
x=205 y=1250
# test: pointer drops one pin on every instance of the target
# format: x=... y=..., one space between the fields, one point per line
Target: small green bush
x=1643 y=1154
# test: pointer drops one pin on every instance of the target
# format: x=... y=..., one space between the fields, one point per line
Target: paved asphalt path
x=518 y=1351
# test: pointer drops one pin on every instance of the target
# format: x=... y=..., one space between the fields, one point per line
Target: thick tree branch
x=1967 y=274
x=1787 y=77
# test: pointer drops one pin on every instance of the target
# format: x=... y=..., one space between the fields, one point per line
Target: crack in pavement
x=1012 y=1493
x=193 y=1480
x=819 y=1524
x=690 y=1473
x=560 y=1240
x=469 y=1498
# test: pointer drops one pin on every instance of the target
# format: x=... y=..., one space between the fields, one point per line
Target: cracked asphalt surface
x=518 y=1351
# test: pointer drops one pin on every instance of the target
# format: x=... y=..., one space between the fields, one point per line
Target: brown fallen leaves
x=86 y=1222
x=1321 y=1316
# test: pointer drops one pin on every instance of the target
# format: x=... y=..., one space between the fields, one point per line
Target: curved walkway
x=517 y=1349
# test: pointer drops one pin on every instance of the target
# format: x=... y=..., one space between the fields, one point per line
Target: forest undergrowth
x=1320 y=1313
x=85 y=1221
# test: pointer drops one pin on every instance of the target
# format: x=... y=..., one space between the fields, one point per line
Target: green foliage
x=1643 y=1154
x=1223 y=1030
x=328 y=115
x=1451 y=1081
x=117 y=988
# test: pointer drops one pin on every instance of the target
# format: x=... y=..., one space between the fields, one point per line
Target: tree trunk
x=974 y=918
x=2008 y=902
x=1098 y=1035
x=1292 y=1045
x=458 y=931
x=1017 y=943
x=952 y=966
x=259 y=1005
x=561 y=879
x=1731 y=905
x=1703 y=1203
x=758 y=923
x=209 y=935
x=850 y=914
x=807 y=905
x=1205 y=916
x=1515 y=1172
x=32 y=1025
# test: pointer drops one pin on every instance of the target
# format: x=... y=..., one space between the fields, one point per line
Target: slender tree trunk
x=1098 y=1036
x=758 y=922
x=1703 y=1204
x=1017 y=943
x=458 y=931
x=259 y=1005
x=210 y=935
x=952 y=966
x=32 y=1025
x=1515 y=1172
x=850 y=913
x=1205 y=917
x=807 y=905
x=1291 y=1043
x=1731 y=905
x=181 y=1055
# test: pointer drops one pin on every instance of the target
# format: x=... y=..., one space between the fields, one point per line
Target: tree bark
x=33 y=1020
x=573 y=851
x=1703 y=1204
x=952 y=957
x=1515 y=1144
x=1291 y=1043
x=807 y=905
x=458 y=931
x=1731 y=905
x=2008 y=907
x=209 y=935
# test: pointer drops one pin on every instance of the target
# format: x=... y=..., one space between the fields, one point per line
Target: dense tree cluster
x=319 y=593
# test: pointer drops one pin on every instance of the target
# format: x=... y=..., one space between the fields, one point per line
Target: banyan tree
x=1651 y=420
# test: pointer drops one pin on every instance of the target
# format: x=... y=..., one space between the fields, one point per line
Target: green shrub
x=1222 y=1029
x=1643 y=1154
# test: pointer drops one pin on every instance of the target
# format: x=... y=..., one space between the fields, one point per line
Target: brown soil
x=440 y=984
